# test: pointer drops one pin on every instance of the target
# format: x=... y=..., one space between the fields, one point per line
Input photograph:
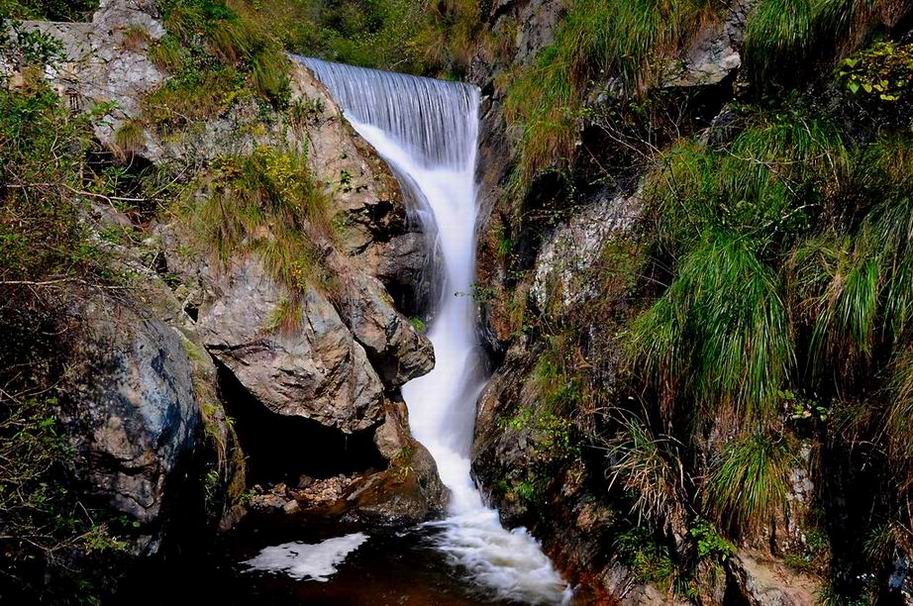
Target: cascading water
x=427 y=130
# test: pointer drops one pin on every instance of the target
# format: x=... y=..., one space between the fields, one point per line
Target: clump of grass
x=784 y=37
x=448 y=35
x=639 y=463
x=748 y=481
x=629 y=40
x=167 y=54
x=130 y=137
x=215 y=51
x=721 y=333
x=135 y=38
x=764 y=185
x=268 y=204
x=193 y=96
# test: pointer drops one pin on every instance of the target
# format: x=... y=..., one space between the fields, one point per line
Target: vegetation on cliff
x=765 y=332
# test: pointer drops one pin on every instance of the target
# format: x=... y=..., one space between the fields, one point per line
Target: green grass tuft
x=268 y=204
x=748 y=482
x=721 y=333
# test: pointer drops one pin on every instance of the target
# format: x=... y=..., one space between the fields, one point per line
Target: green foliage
x=629 y=39
x=710 y=544
x=748 y=481
x=41 y=237
x=24 y=48
x=267 y=203
x=130 y=136
x=781 y=35
x=418 y=324
x=649 y=560
x=53 y=10
x=720 y=333
x=216 y=52
x=762 y=186
x=881 y=72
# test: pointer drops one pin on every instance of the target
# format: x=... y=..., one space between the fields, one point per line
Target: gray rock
x=397 y=351
x=97 y=68
x=562 y=268
x=135 y=402
x=715 y=52
x=315 y=371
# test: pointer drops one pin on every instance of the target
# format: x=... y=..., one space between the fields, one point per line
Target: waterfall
x=427 y=130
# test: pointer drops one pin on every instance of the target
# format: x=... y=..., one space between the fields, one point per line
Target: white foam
x=305 y=561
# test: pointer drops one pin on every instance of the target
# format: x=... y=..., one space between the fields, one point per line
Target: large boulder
x=135 y=408
x=314 y=370
x=396 y=349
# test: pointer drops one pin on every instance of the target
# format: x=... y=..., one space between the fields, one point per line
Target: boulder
x=134 y=406
x=396 y=349
x=315 y=370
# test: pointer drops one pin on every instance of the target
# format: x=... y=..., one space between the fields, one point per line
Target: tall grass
x=640 y=463
x=765 y=185
x=721 y=333
x=784 y=38
x=628 y=40
x=748 y=481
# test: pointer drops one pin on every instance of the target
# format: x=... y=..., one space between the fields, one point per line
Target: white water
x=427 y=130
x=305 y=561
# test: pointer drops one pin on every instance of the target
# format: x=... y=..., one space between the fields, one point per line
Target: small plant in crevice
x=130 y=137
x=649 y=559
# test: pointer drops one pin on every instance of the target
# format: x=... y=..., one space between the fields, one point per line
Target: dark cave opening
x=282 y=449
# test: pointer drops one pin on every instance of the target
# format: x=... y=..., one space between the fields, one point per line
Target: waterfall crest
x=427 y=130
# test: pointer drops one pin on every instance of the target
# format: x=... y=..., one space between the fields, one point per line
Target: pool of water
x=391 y=567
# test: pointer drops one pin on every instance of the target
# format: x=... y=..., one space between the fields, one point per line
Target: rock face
x=767 y=583
x=316 y=371
x=135 y=406
x=567 y=258
x=715 y=53
x=99 y=68
x=149 y=390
